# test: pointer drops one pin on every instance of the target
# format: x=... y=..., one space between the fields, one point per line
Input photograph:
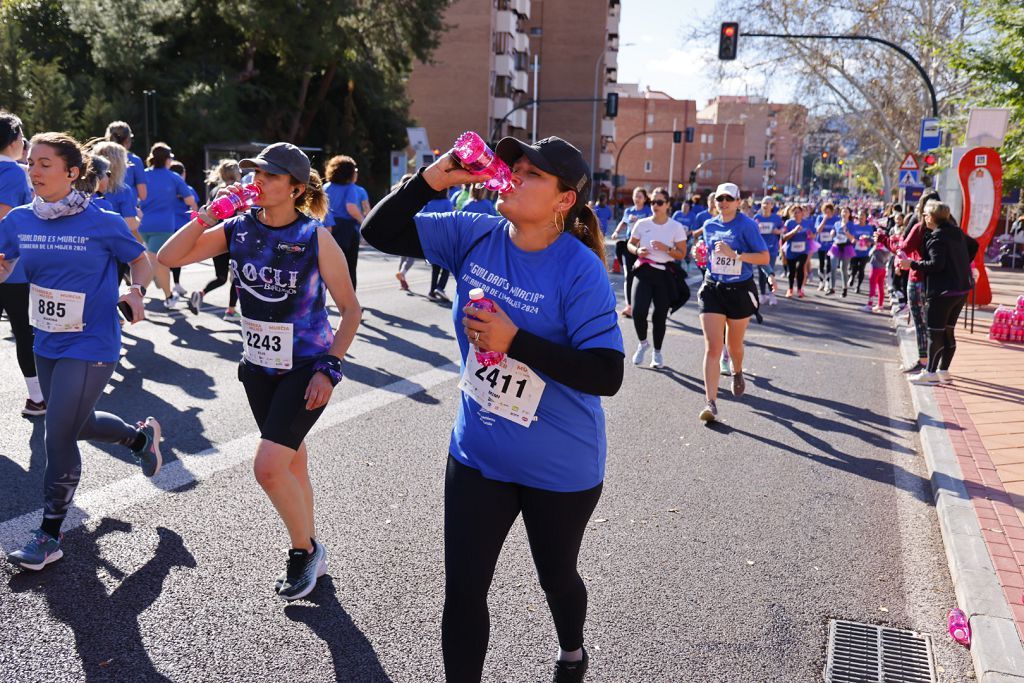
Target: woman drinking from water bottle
x=529 y=437
x=283 y=262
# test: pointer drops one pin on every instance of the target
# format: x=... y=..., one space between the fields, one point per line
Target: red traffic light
x=728 y=31
x=728 y=40
x=930 y=159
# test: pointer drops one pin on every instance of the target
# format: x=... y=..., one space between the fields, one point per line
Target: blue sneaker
x=149 y=455
x=39 y=552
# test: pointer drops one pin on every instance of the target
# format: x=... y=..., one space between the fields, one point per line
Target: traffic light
x=689 y=133
x=693 y=176
x=679 y=186
x=677 y=136
x=611 y=105
x=930 y=159
x=840 y=162
x=728 y=40
x=751 y=161
x=824 y=155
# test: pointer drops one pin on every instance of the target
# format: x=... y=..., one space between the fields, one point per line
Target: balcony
x=608 y=128
x=522 y=42
x=606 y=161
x=504 y=65
x=611 y=59
x=521 y=81
x=522 y=7
x=518 y=119
x=501 y=106
x=505 y=22
x=613 y=19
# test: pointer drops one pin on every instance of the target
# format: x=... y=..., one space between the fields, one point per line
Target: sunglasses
x=724 y=198
x=659 y=202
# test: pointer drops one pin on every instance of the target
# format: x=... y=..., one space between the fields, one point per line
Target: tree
x=995 y=69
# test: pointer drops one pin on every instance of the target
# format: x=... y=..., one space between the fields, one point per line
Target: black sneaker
x=571 y=672
x=301 y=575
x=321 y=568
x=149 y=456
x=916 y=367
x=195 y=302
x=33 y=409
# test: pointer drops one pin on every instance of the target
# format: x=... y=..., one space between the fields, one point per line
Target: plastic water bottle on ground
x=476 y=157
x=959 y=626
x=479 y=301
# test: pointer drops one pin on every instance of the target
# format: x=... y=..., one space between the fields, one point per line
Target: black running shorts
x=278 y=404
x=734 y=300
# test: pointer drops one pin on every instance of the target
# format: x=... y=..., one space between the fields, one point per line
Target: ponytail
x=582 y=222
x=313 y=202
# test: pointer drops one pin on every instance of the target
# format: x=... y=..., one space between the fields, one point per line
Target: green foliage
x=326 y=74
x=995 y=64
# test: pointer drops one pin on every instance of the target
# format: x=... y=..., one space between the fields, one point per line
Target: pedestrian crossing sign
x=910 y=178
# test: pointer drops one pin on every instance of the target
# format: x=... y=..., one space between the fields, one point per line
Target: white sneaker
x=171 y=302
x=944 y=377
x=657 y=360
x=925 y=378
x=179 y=290
x=771 y=299
x=641 y=349
x=867 y=307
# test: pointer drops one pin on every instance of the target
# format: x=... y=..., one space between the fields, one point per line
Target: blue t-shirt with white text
x=560 y=293
x=15 y=190
x=742 y=234
x=767 y=225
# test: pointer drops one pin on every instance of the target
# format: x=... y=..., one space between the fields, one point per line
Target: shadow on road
x=352 y=654
x=106 y=627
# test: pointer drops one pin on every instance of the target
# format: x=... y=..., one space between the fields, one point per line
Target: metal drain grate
x=865 y=653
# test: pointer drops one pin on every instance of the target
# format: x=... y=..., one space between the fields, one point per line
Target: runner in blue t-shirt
x=284 y=262
x=863 y=239
x=69 y=251
x=349 y=206
x=165 y=190
x=439 y=275
x=604 y=214
x=529 y=437
x=728 y=296
x=824 y=226
x=117 y=191
x=135 y=177
x=182 y=215
x=623 y=256
x=14 y=292
x=769 y=224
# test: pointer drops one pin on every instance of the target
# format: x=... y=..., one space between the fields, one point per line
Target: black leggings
x=627 y=259
x=795 y=269
x=857 y=266
x=278 y=403
x=14 y=300
x=941 y=317
x=651 y=285
x=478 y=514
x=348 y=238
x=824 y=264
x=220 y=271
x=438 y=278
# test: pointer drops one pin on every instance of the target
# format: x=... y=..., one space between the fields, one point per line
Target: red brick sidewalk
x=986 y=402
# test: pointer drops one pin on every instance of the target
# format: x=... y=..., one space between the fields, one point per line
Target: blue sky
x=653 y=52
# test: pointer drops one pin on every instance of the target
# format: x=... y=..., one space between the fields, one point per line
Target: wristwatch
x=140 y=288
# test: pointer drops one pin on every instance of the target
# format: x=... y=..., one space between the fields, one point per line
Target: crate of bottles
x=1008 y=323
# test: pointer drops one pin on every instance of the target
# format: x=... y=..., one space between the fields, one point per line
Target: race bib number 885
x=54 y=310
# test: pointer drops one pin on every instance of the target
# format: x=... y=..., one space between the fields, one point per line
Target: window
x=503 y=86
x=711 y=138
x=503 y=43
x=522 y=61
x=647 y=167
x=536 y=31
x=650 y=142
x=650 y=118
x=703 y=140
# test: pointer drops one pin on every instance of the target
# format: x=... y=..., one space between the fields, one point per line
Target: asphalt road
x=716 y=554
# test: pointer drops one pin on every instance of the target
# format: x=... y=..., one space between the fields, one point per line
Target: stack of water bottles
x=1008 y=323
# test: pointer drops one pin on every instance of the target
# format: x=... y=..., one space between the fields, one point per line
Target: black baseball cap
x=281 y=158
x=552 y=155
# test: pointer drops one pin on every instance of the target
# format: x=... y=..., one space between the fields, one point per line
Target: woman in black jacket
x=948 y=280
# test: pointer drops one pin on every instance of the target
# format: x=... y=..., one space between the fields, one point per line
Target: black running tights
x=795 y=270
x=478 y=514
x=14 y=300
x=651 y=285
x=941 y=316
x=857 y=266
x=220 y=273
x=438 y=278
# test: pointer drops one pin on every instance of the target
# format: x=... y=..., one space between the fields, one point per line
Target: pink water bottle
x=959 y=626
x=700 y=253
x=231 y=203
x=476 y=157
x=479 y=301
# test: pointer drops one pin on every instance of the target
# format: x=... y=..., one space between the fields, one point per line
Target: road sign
x=910 y=163
x=909 y=178
x=981 y=180
x=931 y=135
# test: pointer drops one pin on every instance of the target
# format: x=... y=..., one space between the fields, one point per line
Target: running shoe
x=321 y=567
x=844 y=292
x=641 y=349
x=723 y=365
x=709 y=413
x=303 y=570
x=916 y=367
x=39 y=552
x=830 y=292
x=867 y=307
x=33 y=408
x=195 y=302
x=231 y=314
x=772 y=301
x=657 y=360
x=789 y=293
x=571 y=672
x=925 y=378
x=739 y=385
x=178 y=289
x=800 y=294
x=877 y=309
x=401 y=282
x=441 y=296
x=172 y=302
x=432 y=295
x=944 y=377
x=149 y=455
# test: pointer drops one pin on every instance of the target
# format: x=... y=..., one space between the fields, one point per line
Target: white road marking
x=196 y=467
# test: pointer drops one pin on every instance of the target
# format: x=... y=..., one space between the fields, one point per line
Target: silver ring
x=476 y=336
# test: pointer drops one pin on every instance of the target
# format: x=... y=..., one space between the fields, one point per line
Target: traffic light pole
x=524 y=105
x=871 y=39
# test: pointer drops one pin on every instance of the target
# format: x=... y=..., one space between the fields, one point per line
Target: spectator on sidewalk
x=947 y=281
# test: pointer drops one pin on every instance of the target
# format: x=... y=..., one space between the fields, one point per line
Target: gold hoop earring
x=559 y=223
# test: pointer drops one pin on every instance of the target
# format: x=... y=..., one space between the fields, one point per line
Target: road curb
x=996 y=648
